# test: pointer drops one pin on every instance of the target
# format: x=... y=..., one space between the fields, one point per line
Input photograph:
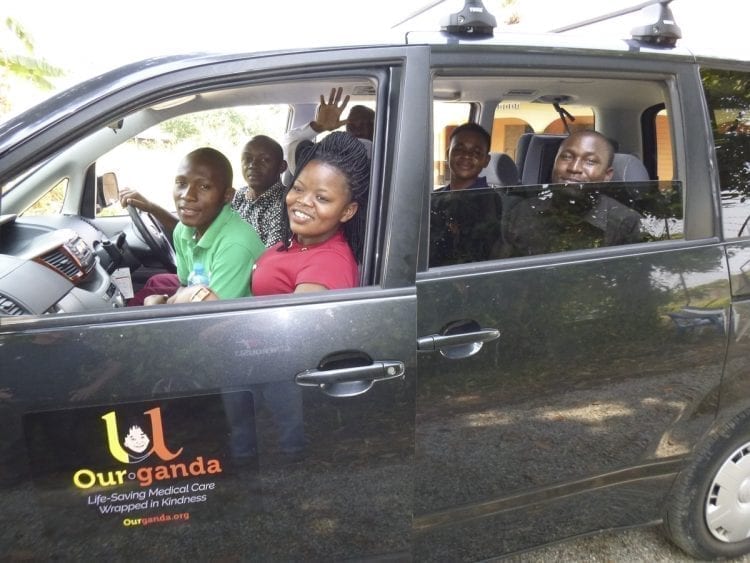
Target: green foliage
x=225 y=126
x=24 y=64
x=19 y=32
x=728 y=97
x=51 y=203
x=181 y=128
x=33 y=70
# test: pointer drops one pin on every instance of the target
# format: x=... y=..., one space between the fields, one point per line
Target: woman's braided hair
x=347 y=154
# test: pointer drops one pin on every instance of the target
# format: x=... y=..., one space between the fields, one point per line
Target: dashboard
x=62 y=268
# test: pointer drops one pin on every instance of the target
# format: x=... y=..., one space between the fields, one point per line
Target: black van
x=462 y=403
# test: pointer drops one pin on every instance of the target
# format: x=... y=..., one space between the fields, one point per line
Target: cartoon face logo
x=136 y=440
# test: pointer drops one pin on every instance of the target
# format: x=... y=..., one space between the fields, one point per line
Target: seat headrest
x=501 y=171
x=540 y=158
x=522 y=146
x=628 y=168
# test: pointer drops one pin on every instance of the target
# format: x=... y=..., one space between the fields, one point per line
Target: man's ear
x=349 y=211
x=229 y=195
x=486 y=160
x=282 y=167
x=608 y=174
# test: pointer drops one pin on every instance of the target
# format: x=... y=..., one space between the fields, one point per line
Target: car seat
x=522 y=147
x=540 y=158
x=501 y=170
x=628 y=168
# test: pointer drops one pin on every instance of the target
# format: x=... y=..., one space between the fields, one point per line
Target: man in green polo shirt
x=209 y=231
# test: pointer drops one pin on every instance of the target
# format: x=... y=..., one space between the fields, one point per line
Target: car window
x=51 y=203
x=146 y=162
x=107 y=254
x=728 y=98
x=491 y=223
x=514 y=210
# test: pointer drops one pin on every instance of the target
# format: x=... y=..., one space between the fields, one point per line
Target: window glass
x=490 y=223
x=50 y=203
x=147 y=161
x=484 y=216
x=728 y=98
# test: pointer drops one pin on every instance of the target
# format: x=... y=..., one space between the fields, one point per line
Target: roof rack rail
x=664 y=32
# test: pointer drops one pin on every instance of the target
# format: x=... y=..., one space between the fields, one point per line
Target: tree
x=512 y=18
x=21 y=63
x=728 y=97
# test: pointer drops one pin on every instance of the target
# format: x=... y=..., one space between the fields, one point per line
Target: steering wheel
x=152 y=233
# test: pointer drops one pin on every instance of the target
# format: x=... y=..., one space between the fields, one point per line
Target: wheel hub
x=727 y=509
x=744 y=492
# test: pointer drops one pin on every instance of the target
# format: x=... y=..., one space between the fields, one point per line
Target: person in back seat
x=464 y=218
x=585 y=156
x=359 y=123
x=468 y=155
x=573 y=216
x=260 y=202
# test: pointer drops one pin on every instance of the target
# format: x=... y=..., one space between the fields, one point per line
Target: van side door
x=560 y=390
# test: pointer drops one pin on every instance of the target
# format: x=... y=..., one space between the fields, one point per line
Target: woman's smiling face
x=318 y=203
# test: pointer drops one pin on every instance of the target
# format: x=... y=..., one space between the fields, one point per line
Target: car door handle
x=350 y=381
x=437 y=341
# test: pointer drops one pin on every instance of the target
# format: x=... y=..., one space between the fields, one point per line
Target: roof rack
x=664 y=32
x=472 y=20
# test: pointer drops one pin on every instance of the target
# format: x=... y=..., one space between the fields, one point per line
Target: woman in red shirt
x=325 y=222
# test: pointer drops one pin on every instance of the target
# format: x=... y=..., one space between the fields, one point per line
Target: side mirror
x=109 y=191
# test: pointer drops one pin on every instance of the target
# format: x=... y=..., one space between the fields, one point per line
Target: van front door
x=271 y=429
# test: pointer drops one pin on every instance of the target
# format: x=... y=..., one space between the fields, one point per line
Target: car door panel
x=337 y=490
x=593 y=381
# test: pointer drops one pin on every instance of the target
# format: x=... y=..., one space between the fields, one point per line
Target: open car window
x=146 y=161
x=65 y=222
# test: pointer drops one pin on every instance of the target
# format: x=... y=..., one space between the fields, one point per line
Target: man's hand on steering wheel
x=153 y=224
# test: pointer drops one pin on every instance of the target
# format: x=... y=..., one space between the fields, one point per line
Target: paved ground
x=628 y=546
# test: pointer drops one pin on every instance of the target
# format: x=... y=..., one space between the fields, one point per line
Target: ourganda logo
x=136 y=447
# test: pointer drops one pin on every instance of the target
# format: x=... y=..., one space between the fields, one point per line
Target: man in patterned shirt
x=260 y=203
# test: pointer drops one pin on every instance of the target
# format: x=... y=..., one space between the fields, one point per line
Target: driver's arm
x=131 y=197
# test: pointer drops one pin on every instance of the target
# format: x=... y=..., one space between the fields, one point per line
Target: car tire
x=707 y=513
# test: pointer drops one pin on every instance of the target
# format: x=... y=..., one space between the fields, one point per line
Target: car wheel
x=708 y=510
